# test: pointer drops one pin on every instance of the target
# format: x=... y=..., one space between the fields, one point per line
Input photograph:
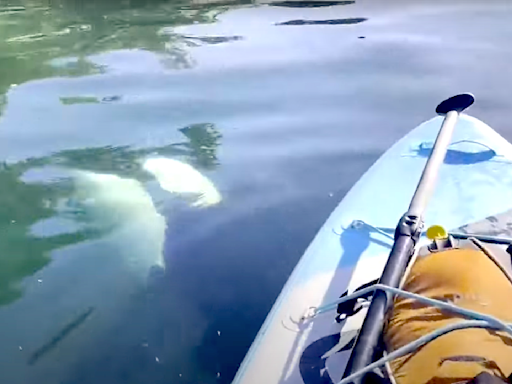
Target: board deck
x=352 y=247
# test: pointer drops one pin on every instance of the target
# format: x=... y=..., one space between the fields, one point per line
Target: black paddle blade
x=455 y=103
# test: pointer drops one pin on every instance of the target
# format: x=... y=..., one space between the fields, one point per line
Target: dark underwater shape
x=59 y=337
x=355 y=20
x=309 y=4
x=213 y=39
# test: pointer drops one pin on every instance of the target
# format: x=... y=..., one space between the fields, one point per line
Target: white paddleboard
x=352 y=247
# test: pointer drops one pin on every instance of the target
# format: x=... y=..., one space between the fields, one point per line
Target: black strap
x=351 y=307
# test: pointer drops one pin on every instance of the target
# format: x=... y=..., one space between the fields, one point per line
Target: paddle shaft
x=406 y=236
x=428 y=179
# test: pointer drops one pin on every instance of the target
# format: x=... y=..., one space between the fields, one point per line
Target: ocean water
x=260 y=116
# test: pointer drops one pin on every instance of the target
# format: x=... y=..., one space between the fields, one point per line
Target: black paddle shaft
x=366 y=347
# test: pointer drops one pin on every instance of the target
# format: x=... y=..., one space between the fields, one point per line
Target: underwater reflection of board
x=351 y=249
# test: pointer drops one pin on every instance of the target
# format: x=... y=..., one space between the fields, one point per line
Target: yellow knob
x=436 y=232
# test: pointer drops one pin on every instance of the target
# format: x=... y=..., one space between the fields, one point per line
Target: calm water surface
x=109 y=276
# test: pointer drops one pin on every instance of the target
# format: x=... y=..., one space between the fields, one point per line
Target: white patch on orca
x=124 y=213
x=124 y=209
x=183 y=179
